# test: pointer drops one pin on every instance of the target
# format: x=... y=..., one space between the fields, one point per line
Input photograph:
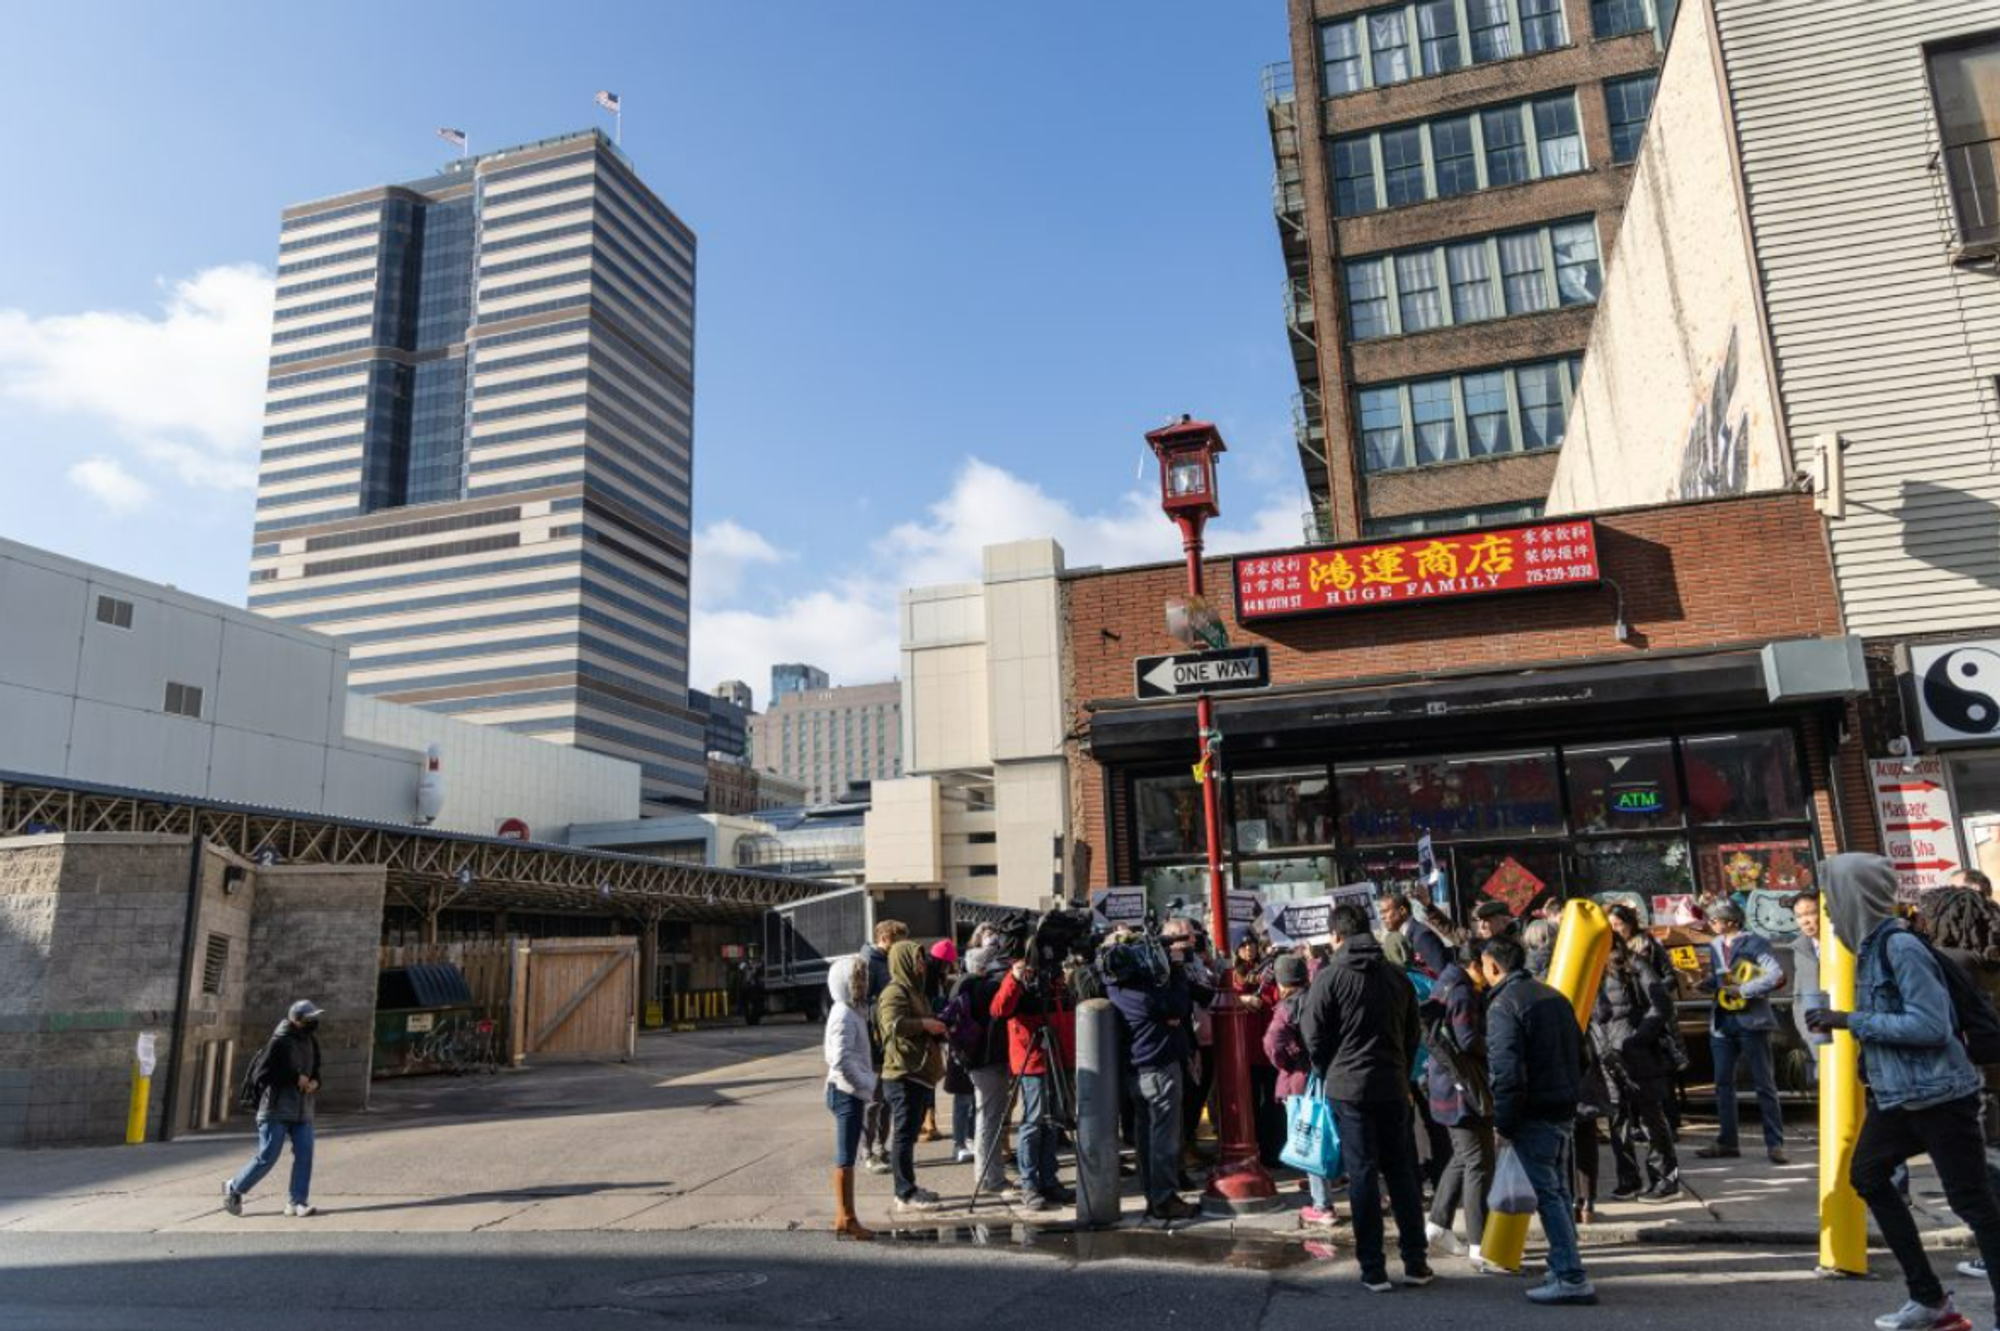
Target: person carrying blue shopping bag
x=1286 y=1048
x=1312 y=1141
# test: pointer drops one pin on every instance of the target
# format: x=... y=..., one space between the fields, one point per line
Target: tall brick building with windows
x=1450 y=176
x=1675 y=723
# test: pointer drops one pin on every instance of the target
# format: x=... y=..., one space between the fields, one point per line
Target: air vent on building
x=215 y=964
x=116 y=613
x=183 y=699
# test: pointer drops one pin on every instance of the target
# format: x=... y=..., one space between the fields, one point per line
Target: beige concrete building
x=478 y=447
x=985 y=809
x=829 y=739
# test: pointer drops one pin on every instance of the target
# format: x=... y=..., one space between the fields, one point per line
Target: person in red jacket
x=1029 y=1009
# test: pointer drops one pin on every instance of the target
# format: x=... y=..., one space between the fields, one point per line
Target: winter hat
x=946 y=951
x=304 y=1010
x=1291 y=971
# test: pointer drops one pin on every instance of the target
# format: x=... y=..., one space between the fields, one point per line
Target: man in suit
x=1744 y=973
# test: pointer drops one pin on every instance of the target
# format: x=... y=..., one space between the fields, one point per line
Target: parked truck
x=804 y=939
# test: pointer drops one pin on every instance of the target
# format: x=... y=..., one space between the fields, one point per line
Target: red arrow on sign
x=1919 y=866
x=1934 y=825
x=1913 y=786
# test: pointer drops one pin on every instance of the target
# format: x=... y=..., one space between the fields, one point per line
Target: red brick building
x=1672 y=726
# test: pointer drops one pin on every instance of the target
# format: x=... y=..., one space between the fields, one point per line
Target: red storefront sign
x=1437 y=567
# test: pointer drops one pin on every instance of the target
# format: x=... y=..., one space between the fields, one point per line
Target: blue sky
x=954 y=260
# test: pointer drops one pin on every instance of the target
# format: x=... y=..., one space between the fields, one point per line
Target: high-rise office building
x=727 y=726
x=795 y=677
x=829 y=739
x=478 y=446
x=1450 y=176
x=737 y=694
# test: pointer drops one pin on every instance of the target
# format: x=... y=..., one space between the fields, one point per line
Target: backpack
x=256 y=1076
x=964 y=1025
x=1972 y=1011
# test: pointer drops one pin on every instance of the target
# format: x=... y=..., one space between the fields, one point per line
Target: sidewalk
x=718 y=1129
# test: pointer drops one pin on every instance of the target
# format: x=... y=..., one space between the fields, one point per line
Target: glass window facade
x=1491 y=412
x=1425 y=38
x=1453 y=155
x=1488 y=277
x=1623 y=820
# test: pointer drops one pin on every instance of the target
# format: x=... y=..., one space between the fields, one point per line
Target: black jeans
x=1642 y=1107
x=1468 y=1177
x=908 y=1101
x=1377 y=1149
x=1270 y=1114
x=1950 y=1134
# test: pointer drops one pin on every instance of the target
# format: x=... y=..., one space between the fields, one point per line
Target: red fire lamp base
x=1241 y=1188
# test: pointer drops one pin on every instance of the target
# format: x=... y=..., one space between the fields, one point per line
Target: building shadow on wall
x=1968 y=546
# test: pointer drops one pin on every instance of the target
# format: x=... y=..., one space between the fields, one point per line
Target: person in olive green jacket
x=912 y=1063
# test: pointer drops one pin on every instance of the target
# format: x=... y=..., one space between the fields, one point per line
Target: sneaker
x=1443 y=1240
x=1313 y=1215
x=1555 y=1291
x=876 y=1164
x=920 y=1200
x=1627 y=1192
x=301 y=1209
x=962 y=1156
x=1174 y=1208
x=1778 y=1156
x=1718 y=1152
x=1060 y=1195
x=1480 y=1266
x=1036 y=1203
x=1418 y=1275
x=1377 y=1282
x=232 y=1200
x=1666 y=1190
x=1914 y=1316
x=1973 y=1270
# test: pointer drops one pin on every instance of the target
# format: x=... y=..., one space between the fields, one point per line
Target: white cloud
x=106 y=480
x=724 y=552
x=848 y=625
x=181 y=387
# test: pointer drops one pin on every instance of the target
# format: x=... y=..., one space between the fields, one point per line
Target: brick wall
x=315 y=933
x=1708 y=575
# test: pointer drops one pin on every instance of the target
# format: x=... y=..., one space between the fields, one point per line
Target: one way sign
x=1235 y=670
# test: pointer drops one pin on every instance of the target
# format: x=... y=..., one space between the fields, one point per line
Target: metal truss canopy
x=428 y=870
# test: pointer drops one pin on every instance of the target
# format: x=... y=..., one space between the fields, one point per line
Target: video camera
x=1046 y=943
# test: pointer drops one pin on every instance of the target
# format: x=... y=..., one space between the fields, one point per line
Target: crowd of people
x=1436 y=1048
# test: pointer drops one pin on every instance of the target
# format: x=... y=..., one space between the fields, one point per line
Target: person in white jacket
x=850 y=1084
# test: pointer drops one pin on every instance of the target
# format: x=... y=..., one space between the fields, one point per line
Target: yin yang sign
x=1962 y=690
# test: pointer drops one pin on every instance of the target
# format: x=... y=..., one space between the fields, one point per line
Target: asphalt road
x=576 y=1281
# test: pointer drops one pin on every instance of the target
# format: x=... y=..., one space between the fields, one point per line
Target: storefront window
x=1761 y=869
x=1374 y=804
x=1288 y=879
x=1623 y=787
x=1634 y=871
x=1521 y=878
x=1280 y=810
x=1478 y=796
x=1390 y=869
x=1176 y=890
x=1169 y=814
x=1748 y=777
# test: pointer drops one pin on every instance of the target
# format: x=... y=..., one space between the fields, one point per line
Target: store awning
x=1641 y=690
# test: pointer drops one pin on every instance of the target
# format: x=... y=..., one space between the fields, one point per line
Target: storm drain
x=693 y=1284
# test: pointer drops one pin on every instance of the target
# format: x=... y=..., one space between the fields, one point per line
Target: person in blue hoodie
x=1923 y=1090
x=1155 y=1010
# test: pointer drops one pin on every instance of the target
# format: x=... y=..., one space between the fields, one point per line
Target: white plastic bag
x=1511 y=1193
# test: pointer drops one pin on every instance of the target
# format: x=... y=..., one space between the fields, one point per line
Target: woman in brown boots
x=850 y=1084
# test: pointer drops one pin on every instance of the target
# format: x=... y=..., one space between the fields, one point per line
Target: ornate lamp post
x=1187 y=451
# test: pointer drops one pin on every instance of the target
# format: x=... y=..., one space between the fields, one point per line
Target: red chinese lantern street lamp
x=1187 y=451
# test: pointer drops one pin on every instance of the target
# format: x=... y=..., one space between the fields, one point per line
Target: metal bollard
x=1097 y=1097
x=1843 y=1222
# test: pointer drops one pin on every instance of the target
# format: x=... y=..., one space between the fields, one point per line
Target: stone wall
x=315 y=933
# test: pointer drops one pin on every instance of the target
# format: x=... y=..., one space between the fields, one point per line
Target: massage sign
x=1446 y=566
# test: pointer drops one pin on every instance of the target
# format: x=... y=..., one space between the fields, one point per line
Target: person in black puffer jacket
x=1634 y=1013
x=1359 y=1020
x=285 y=1111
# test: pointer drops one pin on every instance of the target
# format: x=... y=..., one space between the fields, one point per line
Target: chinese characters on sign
x=1423 y=568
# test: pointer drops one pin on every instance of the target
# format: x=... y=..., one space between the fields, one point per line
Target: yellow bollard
x=135 y=1111
x=1576 y=971
x=1843 y=1221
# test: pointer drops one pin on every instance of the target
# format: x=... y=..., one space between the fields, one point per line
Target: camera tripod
x=1058 y=1108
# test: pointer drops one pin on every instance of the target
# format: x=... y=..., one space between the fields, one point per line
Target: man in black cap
x=1492 y=919
x=288 y=1083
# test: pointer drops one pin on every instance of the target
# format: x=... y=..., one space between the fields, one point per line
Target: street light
x=1187 y=451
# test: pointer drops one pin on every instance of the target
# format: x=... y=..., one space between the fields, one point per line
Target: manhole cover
x=695 y=1282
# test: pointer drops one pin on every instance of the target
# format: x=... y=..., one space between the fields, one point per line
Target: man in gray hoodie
x=1923 y=1091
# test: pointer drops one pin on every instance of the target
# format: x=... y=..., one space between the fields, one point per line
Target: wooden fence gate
x=581 y=999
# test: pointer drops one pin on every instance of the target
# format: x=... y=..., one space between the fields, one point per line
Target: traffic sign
x=1184 y=674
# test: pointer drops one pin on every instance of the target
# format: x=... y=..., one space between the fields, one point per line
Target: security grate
x=215 y=964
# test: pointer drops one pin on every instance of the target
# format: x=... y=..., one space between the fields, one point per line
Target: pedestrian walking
x=1359 y=1019
x=1923 y=1090
x=1461 y=1101
x=1534 y=1052
x=912 y=1063
x=850 y=1083
x=1965 y=928
x=1634 y=1013
x=1285 y=1046
x=875 y=1122
x=286 y=1089
x=1744 y=972
x=1155 y=1012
